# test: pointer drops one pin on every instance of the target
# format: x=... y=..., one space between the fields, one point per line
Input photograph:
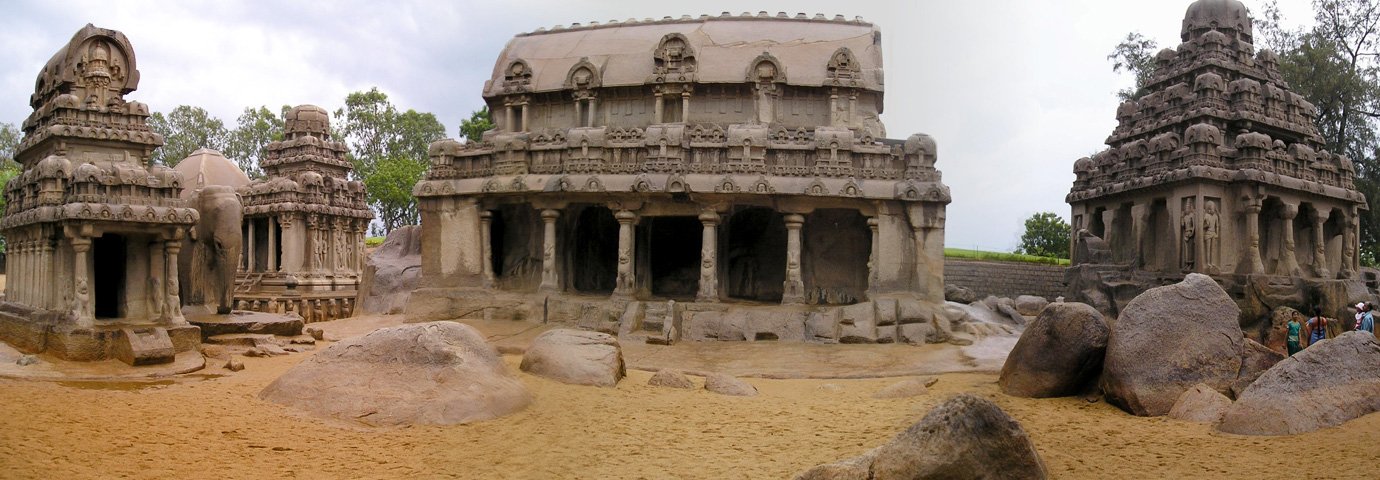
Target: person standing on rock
x=1293 y=340
x=1367 y=321
x=1317 y=328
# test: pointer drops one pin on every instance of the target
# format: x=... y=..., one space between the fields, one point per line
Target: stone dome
x=209 y=167
x=307 y=119
x=1227 y=16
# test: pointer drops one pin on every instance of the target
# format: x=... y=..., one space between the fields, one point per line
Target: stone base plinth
x=134 y=343
x=245 y=322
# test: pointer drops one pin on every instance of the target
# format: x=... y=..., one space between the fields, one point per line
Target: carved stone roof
x=1215 y=109
x=209 y=167
x=809 y=51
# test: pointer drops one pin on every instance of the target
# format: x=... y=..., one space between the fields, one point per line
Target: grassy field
x=1005 y=257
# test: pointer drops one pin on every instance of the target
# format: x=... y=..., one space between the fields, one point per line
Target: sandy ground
x=217 y=428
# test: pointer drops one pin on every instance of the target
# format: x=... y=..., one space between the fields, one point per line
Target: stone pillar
x=1320 y=243
x=833 y=107
x=657 y=107
x=174 y=303
x=508 y=118
x=156 y=298
x=250 y=248
x=685 y=107
x=709 y=257
x=524 y=116
x=794 y=287
x=592 y=106
x=1289 y=264
x=549 y=281
x=272 y=245
x=82 y=283
x=1252 y=263
x=873 y=259
x=1140 y=226
x=486 y=219
x=626 y=283
x=579 y=112
x=45 y=299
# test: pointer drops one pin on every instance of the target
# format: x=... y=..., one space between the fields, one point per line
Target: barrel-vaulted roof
x=724 y=49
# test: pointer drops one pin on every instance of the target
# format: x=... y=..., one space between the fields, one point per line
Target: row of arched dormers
x=675 y=62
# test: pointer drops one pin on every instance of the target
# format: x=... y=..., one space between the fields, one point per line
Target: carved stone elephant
x=206 y=268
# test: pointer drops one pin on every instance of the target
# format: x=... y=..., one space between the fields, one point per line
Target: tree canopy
x=480 y=121
x=389 y=151
x=1046 y=235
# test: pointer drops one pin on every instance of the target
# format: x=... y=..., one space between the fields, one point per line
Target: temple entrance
x=1159 y=242
x=1095 y=225
x=1120 y=238
x=835 y=246
x=592 y=258
x=673 y=255
x=108 y=275
x=754 y=255
x=515 y=239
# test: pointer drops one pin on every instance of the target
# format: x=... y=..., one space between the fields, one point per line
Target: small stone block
x=144 y=346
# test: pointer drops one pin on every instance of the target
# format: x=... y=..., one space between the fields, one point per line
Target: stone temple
x=93 y=232
x=714 y=177
x=304 y=225
x=1218 y=169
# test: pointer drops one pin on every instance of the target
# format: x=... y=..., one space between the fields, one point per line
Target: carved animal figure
x=207 y=268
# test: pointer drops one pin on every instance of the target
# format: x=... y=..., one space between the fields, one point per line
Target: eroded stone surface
x=671 y=378
x=576 y=357
x=1058 y=354
x=1325 y=385
x=1169 y=339
x=725 y=384
x=391 y=273
x=428 y=373
x=1200 y=404
x=964 y=437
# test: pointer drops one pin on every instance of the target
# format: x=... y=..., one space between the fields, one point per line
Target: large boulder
x=1169 y=339
x=576 y=357
x=1256 y=359
x=1059 y=353
x=1325 y=385
x=725 y=384
x=1200 y=404
x=1029 y=305
x=964 y=437
x=391 y=273
x=955 y=293
x=426 y=373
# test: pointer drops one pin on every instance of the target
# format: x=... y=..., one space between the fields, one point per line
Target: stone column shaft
x=46 y=300
x=1253 y=264
x=794 y=286
x=486 y=247
x=272 y=245
x=508 y=119
x=524 y=117
x=1320 y=243
x=549 y=280
x=579 y=112
x=625 y=284
x=657 y=109
x=873 y=259
x=82 y=283
x=250 y=248
x=685 y=107
x=173 y=307
x=591 y=111
x=1289 y=262
x=709 y=258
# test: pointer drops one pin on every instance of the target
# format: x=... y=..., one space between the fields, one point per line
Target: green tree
x=480 y=121
x=1046 y=235
x=248 y=142
x=1136 y=55
x=389 y=151
x=186 y=129
x=9 y=168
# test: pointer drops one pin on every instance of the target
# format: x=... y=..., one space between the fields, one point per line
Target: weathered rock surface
x=391 y=273
x=965 y=437
x=241 y=321
x=906 y=388
x=1323 y=386
x=1058 y=354
x=1029 y=305
x=1275 y=334
x=955 y=293
x=234 y=365
x=426 y=373
x=1200 y=404
x=576 y=357
x=1169 y=339
x=1255 y=360
x=725 y=384
x=671 y=378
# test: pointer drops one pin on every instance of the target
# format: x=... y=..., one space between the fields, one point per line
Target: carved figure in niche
x=1211 y=234
x=1189 y=225
x=1348 y=251
x=320 y=249
x=174 y=304
x=83 y=298
x=341 y=251
x=156 y=297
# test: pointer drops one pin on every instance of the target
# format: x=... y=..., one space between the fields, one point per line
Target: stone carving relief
x=1188 y=224
x=1212 y=234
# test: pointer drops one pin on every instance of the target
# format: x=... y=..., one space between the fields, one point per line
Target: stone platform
x=244 y=322
x=49 y=367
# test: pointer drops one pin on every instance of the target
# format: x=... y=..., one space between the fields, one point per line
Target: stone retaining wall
x=1005 y=279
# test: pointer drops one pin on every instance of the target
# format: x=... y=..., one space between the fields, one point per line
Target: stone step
x=243 y=339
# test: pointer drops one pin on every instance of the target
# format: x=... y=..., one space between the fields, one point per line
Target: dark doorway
x=836 y=246
x=515 y=240
x=674 y=255
x=755 y=254
x=593 y=256
x=108 y=275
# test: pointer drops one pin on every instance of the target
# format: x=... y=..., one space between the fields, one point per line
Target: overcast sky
x=1013 y=91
